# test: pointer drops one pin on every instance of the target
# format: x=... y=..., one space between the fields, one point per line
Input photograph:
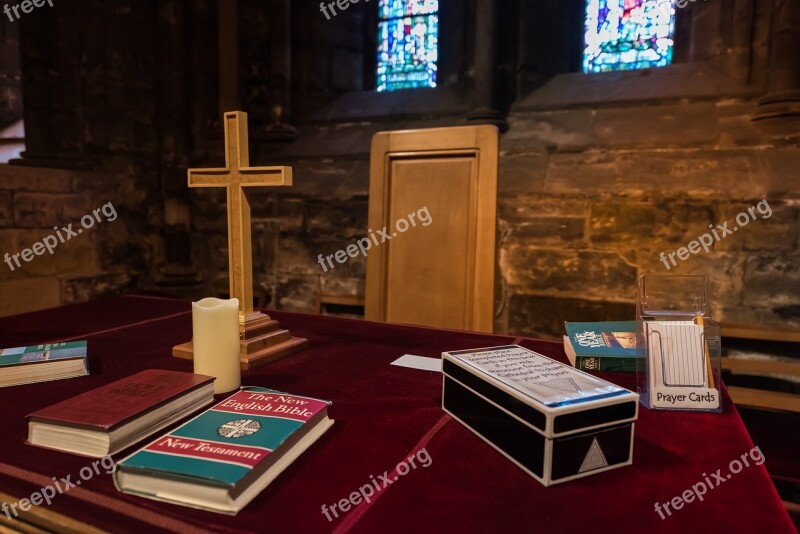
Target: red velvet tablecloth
x=383 y=415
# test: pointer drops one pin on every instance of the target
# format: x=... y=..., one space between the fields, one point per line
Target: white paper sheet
x=419 y=362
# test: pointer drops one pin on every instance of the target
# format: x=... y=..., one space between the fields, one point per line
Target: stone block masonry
x=61 y=235
x=705 y=240
x=583 y=211
x=54 y=209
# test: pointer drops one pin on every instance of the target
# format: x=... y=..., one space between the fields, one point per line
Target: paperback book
x=608 y=346
x=116 y=416
x=40 y=363
x=223 y=458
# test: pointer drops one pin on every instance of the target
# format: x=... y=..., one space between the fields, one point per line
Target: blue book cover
x=607 y=346
x=238 y=446
x=40 y=363
x=42 y=353
x=613 y=338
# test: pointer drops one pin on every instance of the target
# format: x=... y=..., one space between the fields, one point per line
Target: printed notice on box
x=545 y=380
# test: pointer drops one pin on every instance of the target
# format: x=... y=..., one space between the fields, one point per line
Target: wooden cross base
x=262 y=341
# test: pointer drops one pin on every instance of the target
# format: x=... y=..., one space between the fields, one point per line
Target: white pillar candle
x=215 y=342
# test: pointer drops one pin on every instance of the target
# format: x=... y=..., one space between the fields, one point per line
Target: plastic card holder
x=681 y=346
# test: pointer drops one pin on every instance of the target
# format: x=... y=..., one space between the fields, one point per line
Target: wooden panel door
x=438 y=274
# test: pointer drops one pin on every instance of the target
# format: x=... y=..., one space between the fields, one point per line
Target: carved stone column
x=280 y=73
x=779 y=109
x=485 y=109
x=52 y=87
x=175 y=270
x=230 y=98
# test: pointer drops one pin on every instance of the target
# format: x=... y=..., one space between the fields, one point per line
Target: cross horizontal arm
x=209 y=177
x=255 y=176
x=246 y=177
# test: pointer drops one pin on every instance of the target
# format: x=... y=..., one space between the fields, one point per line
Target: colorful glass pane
x=408 y=44
x=628 y=34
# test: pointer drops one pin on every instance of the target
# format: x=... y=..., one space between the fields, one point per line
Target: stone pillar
x=204 y=79
x=279 y=80
x=176 y=271
x=485 y=109
x=230 y=97
x=779 y=110
x=52 y=86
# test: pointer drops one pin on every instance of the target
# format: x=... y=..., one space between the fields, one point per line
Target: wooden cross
x=236 y=176
x=261 y=339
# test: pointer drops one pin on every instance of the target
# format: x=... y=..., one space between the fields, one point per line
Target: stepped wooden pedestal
x=261 y=341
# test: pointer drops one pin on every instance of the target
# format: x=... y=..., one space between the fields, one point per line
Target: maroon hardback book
x=119 y=402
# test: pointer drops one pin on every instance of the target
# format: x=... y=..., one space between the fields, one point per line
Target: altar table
x=383 y=414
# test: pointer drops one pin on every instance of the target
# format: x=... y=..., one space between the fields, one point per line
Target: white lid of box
x=553 y=398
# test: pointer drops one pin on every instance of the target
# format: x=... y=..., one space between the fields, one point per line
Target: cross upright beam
x=235 y=177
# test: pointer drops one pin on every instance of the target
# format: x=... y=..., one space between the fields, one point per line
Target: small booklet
x=607 y=346
x=116 y=416
x=220 y=460
x=40 y=363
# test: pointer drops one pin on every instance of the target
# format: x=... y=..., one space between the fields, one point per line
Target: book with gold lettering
x=220 y=460
x=608 y=346
x=118 y=415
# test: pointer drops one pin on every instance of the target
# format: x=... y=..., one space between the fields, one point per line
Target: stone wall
x=116 y=96
x=598 y=174
x=588 y=199
x=596 y=195
x=99 y=261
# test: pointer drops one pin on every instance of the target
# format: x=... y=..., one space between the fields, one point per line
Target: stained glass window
x=408 y=44
x=628 y=34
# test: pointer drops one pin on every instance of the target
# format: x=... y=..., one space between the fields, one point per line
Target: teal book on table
x=221 y=459
x=40 y=363
x=608 y=346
